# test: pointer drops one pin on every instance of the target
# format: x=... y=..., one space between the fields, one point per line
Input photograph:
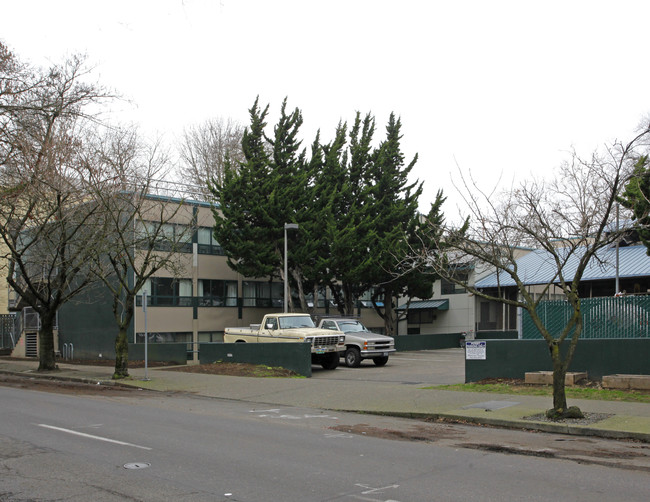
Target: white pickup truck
x=360 y=343
x=325 y=344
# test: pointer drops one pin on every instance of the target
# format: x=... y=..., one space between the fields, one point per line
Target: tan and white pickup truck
x=360 y=342
x=325 y=343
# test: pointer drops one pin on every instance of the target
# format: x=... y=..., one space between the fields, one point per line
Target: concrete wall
x=292 y=356
x=513 y=358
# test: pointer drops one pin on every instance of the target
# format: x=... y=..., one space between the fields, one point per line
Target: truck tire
x=352 y=357
x=330 y=361
x=380 y=361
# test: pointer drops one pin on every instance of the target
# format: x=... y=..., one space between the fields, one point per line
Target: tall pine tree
x=270 y=188
x=393 y=207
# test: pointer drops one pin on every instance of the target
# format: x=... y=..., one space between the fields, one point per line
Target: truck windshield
x=296 y=322
x=351 y=326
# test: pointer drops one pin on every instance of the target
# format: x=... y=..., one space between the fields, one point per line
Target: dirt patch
x=237 y=369
x=420 y=432
x=588 y=419
x=519 y=383
x=219 y=368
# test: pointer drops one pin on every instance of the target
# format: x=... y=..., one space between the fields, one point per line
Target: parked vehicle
x=360 y=343
x=325 y=344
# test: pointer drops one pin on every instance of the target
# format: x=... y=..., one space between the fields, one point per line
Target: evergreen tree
x=348 y=231
x=243 y=225
x=395 y=224
x=356 y=209
x=270 y=188
x=637 y=198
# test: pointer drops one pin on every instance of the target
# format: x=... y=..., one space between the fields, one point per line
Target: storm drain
x=492 y=405
x=137 y=465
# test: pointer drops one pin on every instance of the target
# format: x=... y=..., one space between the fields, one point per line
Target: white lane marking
x=370 y=490
x=276 y=414
x=340 y=435
x=99 y=438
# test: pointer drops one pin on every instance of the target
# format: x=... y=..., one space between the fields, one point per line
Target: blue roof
x=538 y=267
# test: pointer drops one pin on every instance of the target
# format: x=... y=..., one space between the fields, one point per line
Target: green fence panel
x=497 y=335
x=292 y=356
x=598 y=357
x=611 y=317
x=159 y=352
x=427 y=342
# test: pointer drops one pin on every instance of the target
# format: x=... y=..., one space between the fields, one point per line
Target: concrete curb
x=64 y=378
x=573 y=430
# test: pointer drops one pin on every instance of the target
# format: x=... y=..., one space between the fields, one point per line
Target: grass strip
x=547 y=390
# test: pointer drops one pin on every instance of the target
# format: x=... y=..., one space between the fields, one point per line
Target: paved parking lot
x=428 y=367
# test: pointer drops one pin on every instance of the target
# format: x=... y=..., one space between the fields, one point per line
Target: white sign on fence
x=475 y=349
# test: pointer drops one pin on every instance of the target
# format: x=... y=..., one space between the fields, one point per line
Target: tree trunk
x=559 y=374
x=121 y=341
x=560 y=409
x=121 y=355
x=389 y=313
x=47 y=361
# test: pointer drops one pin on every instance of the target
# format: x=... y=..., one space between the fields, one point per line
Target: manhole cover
x=137 y=465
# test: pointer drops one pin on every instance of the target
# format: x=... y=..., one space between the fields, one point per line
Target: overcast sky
x=498 y=88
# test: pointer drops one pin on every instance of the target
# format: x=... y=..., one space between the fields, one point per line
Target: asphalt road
x=151 y=447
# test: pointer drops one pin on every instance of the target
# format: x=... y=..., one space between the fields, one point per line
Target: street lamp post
x=287 y=226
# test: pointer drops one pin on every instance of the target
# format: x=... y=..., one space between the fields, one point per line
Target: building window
x=365 y=300
x=217 y=293
x=309 y=298
x=167 y=292
x=210 y=336
x=168 y=337
x=420 y=316
x=450 y=287
x=263 y=294
x=170 y=236
x=206 y=242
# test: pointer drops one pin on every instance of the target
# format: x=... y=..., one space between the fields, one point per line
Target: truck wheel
x=352 y=357
x=330 y=361
x=380 y=361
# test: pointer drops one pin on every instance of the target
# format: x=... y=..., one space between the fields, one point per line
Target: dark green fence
x=427 y=342
x=292 y=356
x=405 y=343
x=611 y=317
x=513 y=358
x=158 y=352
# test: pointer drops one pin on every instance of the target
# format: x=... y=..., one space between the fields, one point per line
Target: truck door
x=270 y=330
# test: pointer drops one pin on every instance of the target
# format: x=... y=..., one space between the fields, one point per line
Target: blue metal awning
x=426 y=304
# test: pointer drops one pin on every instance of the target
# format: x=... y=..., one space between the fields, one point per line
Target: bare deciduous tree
x=205 y=148
x=569 y=217
x=142 y=236
x=44 y=210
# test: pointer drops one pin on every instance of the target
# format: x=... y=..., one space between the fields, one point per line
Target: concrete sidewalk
x=615 y=419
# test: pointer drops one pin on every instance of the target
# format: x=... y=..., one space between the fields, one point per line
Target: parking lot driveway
x=425 y=367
